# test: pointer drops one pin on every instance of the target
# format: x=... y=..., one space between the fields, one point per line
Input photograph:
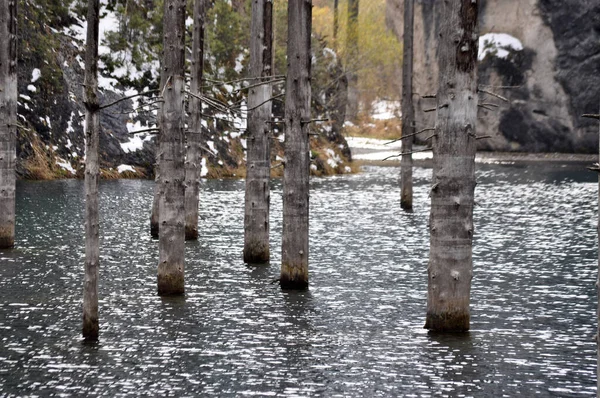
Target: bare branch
x=126 y=98
x=407 y=153
x=410 y=135
x=591 y=116
x=153 y=130
x=481 y=90
x=264 y=102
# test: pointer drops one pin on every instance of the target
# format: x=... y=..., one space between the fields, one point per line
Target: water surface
x=356 y=332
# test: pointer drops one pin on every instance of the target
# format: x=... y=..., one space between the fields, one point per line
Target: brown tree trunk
x=453 y=185
x=192 y=164
x=336 y=23
x=294 y=253
x=352 y=59
x=8 y=120
x=408 y=112
x=171 y=189
x=92 y=223
x=258 y=167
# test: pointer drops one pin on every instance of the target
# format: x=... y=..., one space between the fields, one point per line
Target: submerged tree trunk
x=453 y=185
x=408 y=112
x=598 y=283
x=294 y=253
x=171 y=189
x=258 y=166
x=8 y=120
x=352 y=59
x=92 y=128
x=192 y=164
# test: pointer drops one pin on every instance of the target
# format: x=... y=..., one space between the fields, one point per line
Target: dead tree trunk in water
x=192 y=165
x=408 y=112
x=156 y=197
x=352 y=59
x=171 y=190
x=294 y=253
x=92 y=222
x=453 y=185
x=8 y=120
x=258 y=168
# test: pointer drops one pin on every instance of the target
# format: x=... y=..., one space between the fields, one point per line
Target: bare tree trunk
x=453 y=185
x=351 y=59
x=598 y=284
x=92 y=223
x=192 y=165
x=294 y=253
x=336 y=23
x=8 y=120
x=156 y=197
x=408 y=112
x=258 y=168
x=171 y=203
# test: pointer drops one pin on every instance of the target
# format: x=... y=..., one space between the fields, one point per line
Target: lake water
x=356 y=333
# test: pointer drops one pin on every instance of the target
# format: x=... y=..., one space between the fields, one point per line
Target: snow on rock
x=498 y=44
x=211 y=145
x=385 y=110
x=65 y=165
x=136 y=142
x=125 y=167
x=35 y=74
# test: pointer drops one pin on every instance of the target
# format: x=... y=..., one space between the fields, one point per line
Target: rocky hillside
x=542 y=55
x=51 y=113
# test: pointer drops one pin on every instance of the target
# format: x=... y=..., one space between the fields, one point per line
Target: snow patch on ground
x=125 y=167
x=373 y=149
x=385 y=110
x=31 y=88
x=136 y=142
x=498 y=44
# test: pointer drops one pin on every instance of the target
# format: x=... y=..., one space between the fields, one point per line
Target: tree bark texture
x=8 y=120
x=258 y=166
x=598 y=287
x=171 y=207
x=192 y=163
x=92 y=222
x=336 y=23
x=408 y=112
x=294 y=253
x=352 y=59
x=453 y=184
x=156 y=197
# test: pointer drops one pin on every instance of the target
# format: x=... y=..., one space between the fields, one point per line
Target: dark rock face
x=550 y=82
x=576 y=28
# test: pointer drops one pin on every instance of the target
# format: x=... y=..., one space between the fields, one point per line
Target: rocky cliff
x=542 y=55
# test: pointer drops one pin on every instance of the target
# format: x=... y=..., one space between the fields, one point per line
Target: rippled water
x=356 y=332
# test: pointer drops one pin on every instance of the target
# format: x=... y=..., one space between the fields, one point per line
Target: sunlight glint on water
x=356 y=332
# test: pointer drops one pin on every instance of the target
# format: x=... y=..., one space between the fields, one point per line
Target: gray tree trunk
x=294 y=253
x=156 y=197
x=171 y=153
x=192 y=164
x=8 y=120
x=352 y=59
x=408 y=112
x=92 y=223
x=453 y=185
x=598 y=285
x=258 y=167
